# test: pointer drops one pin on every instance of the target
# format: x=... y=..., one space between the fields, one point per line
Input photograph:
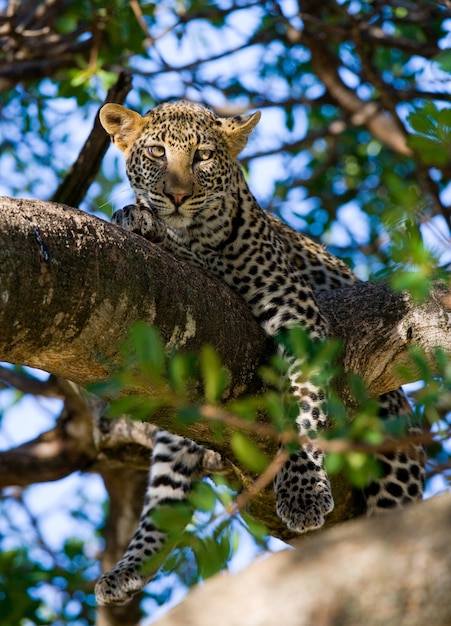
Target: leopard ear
x=123 y=125
x=237 y=130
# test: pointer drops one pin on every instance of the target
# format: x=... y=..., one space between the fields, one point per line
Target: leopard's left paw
x=303 y=494
x=140 y=220
x=119 y=585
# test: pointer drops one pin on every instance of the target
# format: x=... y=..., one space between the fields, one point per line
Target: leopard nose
x=177 y=198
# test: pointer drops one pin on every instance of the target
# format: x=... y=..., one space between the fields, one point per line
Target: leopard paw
x=303 y=495
x=140 y=220
x=129 y=217
x=119 y=585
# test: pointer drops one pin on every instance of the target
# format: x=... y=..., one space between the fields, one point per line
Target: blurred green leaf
x=248 y=453
x=172 y=518
x=214 y=376
x=444 y=60
x=148 y=348
x=203 y=497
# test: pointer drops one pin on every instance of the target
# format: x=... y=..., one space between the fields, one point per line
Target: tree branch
x=91 y=280
x=73 y=188
x=378 y=328
x=25 y=383
x=368 y=114
x=66 y=448
x=391 y=570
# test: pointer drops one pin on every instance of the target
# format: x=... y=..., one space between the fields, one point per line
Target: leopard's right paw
x=119 y=585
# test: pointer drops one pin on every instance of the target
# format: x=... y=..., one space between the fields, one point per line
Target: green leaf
x=275 y=405
x=188 y=414
x=108 y=79
x=147 y=347
x=248 y=453
x=361 y=468
x=203 y=497
x=423 y=120
x=413 y=281
x=214 y=376
x=431 y=151
x=334 y=462
x=256 y=529
x=172 y=518
x=137 y=407
x=444 y=60
x=181 y=372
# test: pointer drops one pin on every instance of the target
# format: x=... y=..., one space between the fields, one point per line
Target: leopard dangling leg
x=176 y=463
x=403 y=469
x=303 y=491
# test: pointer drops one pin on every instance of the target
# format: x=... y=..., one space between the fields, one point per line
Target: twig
x=339 y=446
x=25 y=383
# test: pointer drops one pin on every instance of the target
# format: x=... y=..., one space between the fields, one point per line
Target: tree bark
x=379 y=327
x=72 y=285
x=74 y=186
x=389 y=571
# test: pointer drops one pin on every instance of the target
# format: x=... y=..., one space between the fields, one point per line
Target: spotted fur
x=192 y=199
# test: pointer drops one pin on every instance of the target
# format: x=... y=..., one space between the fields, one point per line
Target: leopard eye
x=156 y=151
x=203 y=154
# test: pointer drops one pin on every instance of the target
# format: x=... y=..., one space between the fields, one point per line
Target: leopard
x=192 y=199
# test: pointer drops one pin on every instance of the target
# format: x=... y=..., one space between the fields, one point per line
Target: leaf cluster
x=46 y=588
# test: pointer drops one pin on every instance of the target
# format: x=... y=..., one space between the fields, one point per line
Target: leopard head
x=181 y=157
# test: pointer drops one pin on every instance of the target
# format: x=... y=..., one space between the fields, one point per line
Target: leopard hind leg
x=176 y=463
x=303 y=492
x=403 y=469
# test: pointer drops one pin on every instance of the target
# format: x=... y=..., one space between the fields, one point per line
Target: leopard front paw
x=303 y=496
x=140 y=220
x=129 y=217
x=119 y=585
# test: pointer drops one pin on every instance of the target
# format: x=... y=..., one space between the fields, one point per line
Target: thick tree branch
x=90 y=281
x=49 y=457
x=378 y=328
x=362 y=113
x=32 y=48
x=72 y=285
x=24 y=382
x=391 y=570
x=66 y=448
